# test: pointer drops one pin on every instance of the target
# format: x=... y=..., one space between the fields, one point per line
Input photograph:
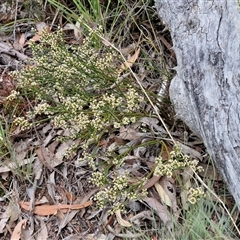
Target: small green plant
x=3 y=142
x=177 y=160
x=8 y=155
x=68 y=87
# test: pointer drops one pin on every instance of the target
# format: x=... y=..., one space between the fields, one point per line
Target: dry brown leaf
x=190 y=151
x=151 y=181
x=131 y=134
x=22 y=40
x=61 y=151
x=45 y=210
x=186 y=181
x=119 y=140
x=163 y=195
x=45 y=156
x=142 y=215
x=40 y=26
x=70 y=196
x=15 y=212
x=51 y=159
x=35 y=38
x=160 y=210
x=103 y=142
x=127 y=64
x=5 y=216
x=168 y=184
x=60 y=216
x=152 y=123
x=128 y=49
x=21 y=149
x=43 y=231
x=16 y=235
x=12 y=165
x=71 y=215
x=11 y=213
x=121 y=221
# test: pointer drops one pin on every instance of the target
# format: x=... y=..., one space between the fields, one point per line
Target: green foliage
x=68 y=86
x=80 y=89
x=8 y=155
x=77 y=88
x=204 y=220
x=177 y=160
x=4 y=142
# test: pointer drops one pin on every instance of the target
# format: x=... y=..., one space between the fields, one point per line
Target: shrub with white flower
x=194 y=194
x=67 y=85
x=177 y=160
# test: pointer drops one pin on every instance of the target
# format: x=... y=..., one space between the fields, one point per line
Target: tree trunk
x=206 y=90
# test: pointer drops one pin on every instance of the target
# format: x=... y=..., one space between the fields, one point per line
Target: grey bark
x=206 y=90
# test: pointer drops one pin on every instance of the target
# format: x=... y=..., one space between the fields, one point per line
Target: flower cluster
x=69 y=86
x=41 y=108
x=13 y=95
x=177 y=160
x=117 y=192
x=22 y=122
x=64 y=82
x=195 y=194
x=89 y=159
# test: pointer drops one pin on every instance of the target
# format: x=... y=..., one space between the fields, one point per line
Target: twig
x=4 y=48
x=15 y=20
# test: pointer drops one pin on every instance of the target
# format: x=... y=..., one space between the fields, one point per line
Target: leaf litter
x=59 y=198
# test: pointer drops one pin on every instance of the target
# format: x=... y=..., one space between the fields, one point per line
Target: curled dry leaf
x=10 y=215
x=5 y=216
x=163 y=195
x=142 y=215
x=45 y=210
x=160 y=210
x=43 y=231
x=127 y=64
x=41 y=26
x=125 y=51
x=16 y=235
x=153 y=124
x=151 y=181
x=121 y=221
x=169 y=188
x=131 y=134
x=186 y=181
x=190 y=151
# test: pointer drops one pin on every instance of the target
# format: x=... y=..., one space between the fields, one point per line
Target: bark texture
x=206 y=89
